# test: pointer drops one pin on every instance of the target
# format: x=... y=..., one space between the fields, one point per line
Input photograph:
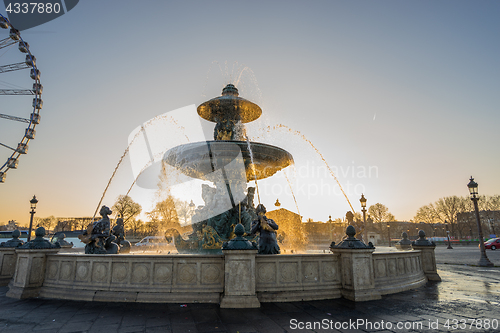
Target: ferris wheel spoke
x=22 y=148
x=1 y=144
x=14 y=67
x=6 y=42
x=17 y=92
x=22 y=120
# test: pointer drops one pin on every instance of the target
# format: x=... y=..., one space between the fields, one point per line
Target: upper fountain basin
x=201 y=159
x=229 y=107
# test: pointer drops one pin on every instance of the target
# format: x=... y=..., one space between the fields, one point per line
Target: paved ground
x=467 y=300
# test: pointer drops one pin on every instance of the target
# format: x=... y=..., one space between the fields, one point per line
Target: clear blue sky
x=406 y=89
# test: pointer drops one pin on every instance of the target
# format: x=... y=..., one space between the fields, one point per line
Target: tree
x=136 y=226
x=164 y=215
x=380 y=213
x=427 y=214
x=183 y=210
x=459 y=213
x=447 y=209
x=358 y=216
x=126 y=207
x=46 y=222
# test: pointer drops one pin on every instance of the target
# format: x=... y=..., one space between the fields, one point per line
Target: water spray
x=253 y=169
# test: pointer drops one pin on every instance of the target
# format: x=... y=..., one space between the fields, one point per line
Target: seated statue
x=119 y=232
x=249 y=203
x=203 y=213
x=267 y=230
x=64 y=243
x=246 y=219
x=97 y=234
x=404 y=243
x=221 y=224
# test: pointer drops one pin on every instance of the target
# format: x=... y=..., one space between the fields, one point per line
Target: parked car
x=493 y=244
x=153 y=241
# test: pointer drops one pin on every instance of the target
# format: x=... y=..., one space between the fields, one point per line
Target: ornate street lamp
x=191 y=208
x=33 y=203
x=484 y=261
x=363 y=209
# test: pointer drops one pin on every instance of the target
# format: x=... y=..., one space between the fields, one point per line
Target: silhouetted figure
x=119 y=232
x=267 y=230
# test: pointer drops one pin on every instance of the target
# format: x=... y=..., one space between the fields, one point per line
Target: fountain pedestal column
x=358 y=282
x=426 y=249
x=30 y=266
x=30 y=272
x=356 y=261
x=7 y=265
x=239 y=279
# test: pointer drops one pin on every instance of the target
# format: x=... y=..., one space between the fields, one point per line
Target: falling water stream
x=280 y=126
x=125 y=153
x=293 y=195
x=253 y=169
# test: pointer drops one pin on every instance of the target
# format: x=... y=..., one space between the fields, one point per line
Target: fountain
x=227 y=268
x=230 y=161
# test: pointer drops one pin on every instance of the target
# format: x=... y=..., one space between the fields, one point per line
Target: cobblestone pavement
x=467 y=300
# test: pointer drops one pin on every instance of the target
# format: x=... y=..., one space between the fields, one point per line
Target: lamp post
x=33 y=203
x=389 y=233
x=484 y=261
x=330 y=227
x=363 y=209
x=191 y=208
x=448 y=235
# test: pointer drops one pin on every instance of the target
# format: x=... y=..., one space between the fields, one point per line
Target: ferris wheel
x=16 y=97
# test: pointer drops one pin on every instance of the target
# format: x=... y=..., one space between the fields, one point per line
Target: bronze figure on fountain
x=100 y=239
x=267 y=232
x=119 y=232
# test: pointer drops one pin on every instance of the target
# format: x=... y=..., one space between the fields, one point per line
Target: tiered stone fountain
x=238 y=277
x=230 y=161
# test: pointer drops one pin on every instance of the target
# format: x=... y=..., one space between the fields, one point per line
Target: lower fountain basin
x=201 y=159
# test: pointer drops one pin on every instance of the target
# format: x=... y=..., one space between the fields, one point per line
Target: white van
x=153 y=241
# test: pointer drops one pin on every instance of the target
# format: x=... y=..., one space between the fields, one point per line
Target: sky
x=401 y=98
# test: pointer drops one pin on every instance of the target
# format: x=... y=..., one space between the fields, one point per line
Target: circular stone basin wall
x=200 y=278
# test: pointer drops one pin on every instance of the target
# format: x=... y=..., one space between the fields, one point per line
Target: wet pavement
x=467 y=300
